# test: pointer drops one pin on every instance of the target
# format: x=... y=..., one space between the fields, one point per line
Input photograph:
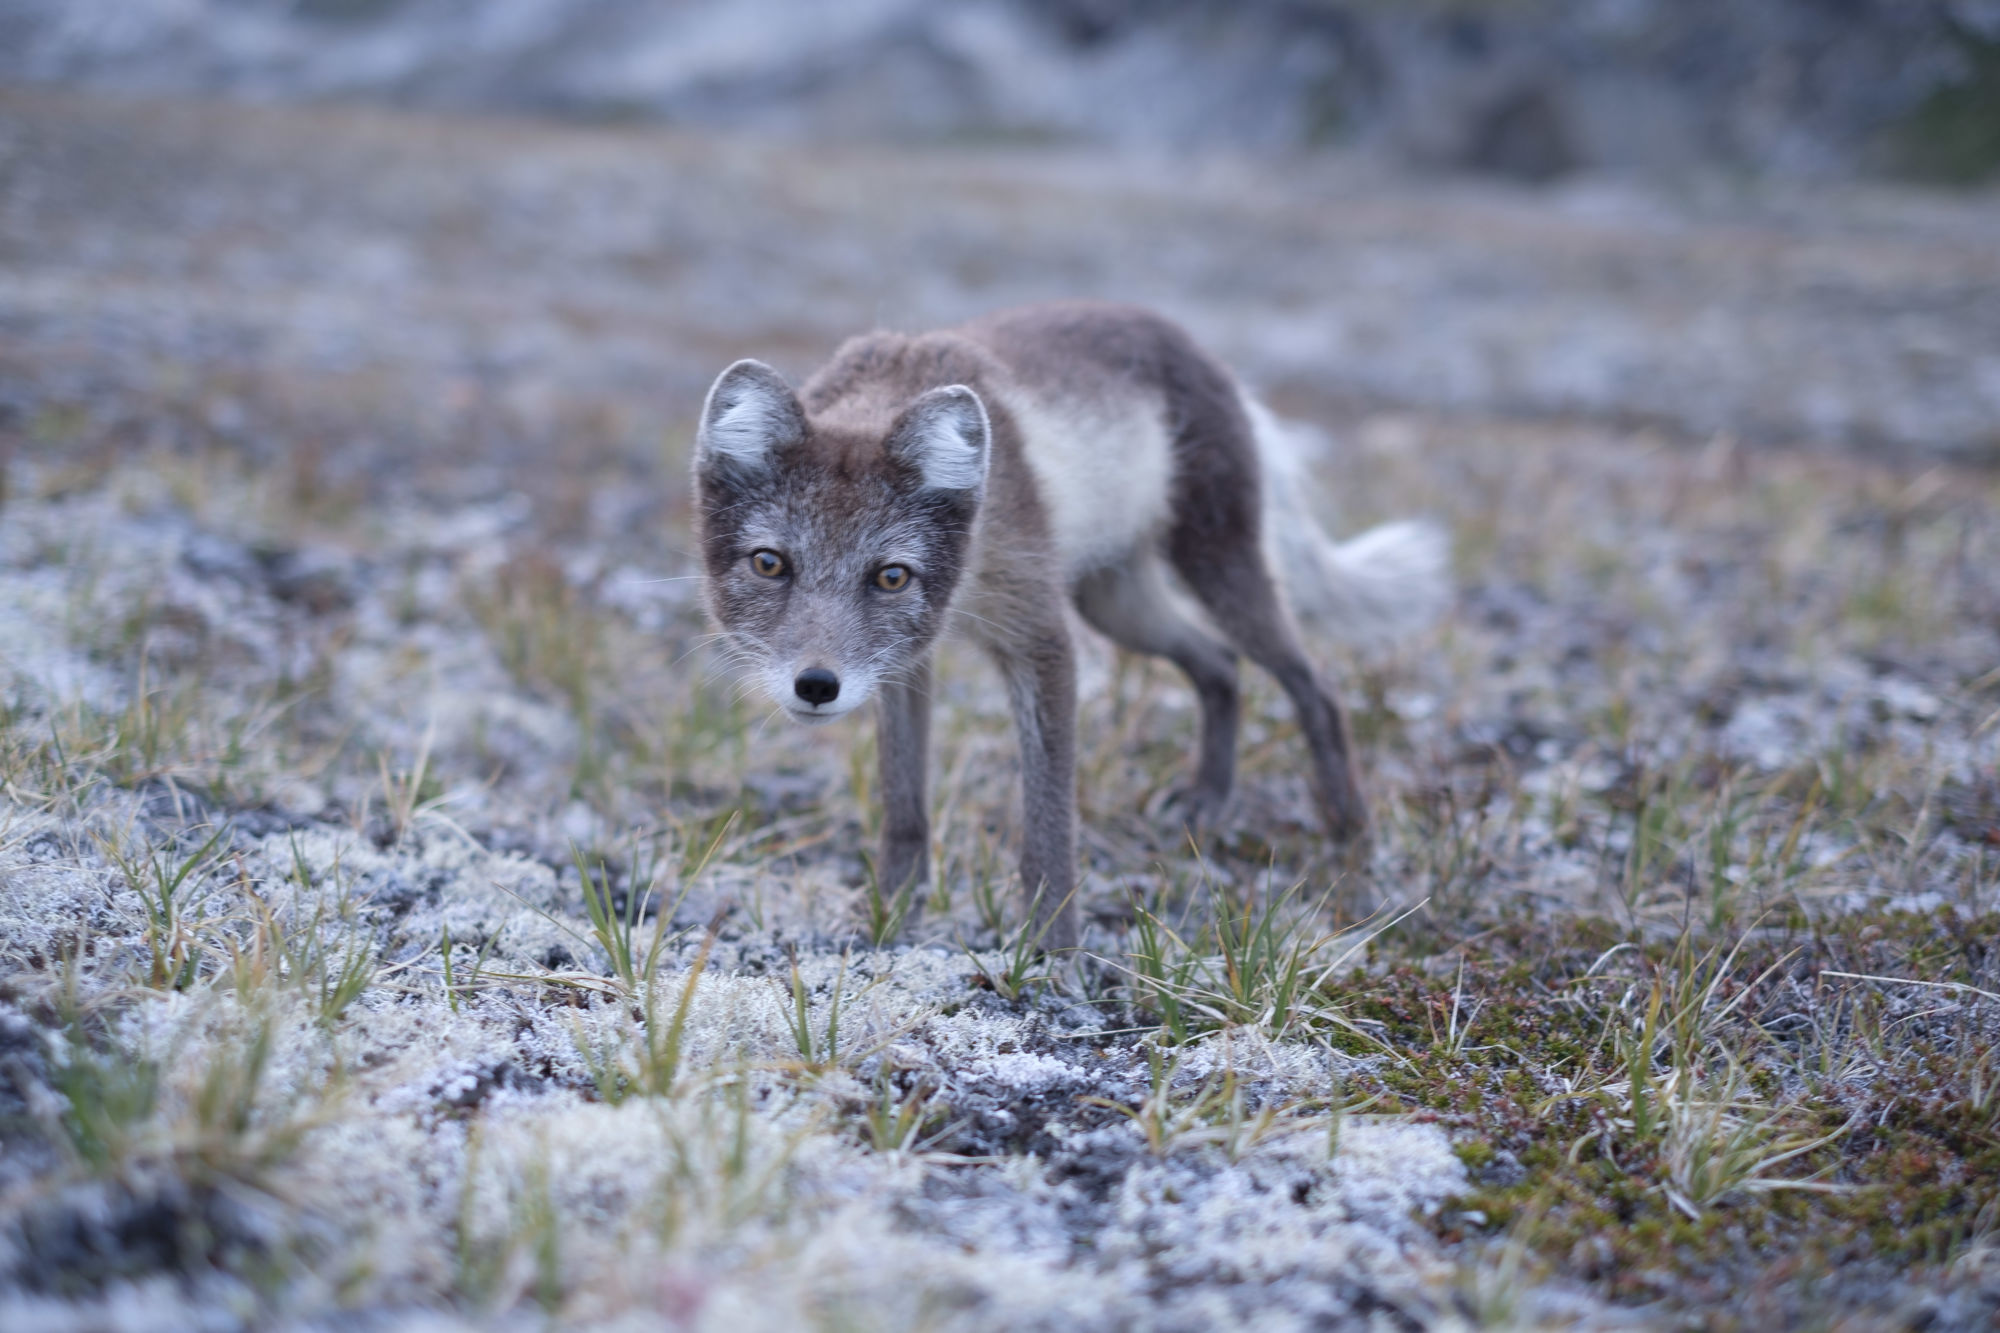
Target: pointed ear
x=751 y=414
x=944 y=438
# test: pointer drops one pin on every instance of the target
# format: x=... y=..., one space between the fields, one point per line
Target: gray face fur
x=799 y=520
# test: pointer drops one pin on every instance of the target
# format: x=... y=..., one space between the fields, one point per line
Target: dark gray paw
x=1198 y=809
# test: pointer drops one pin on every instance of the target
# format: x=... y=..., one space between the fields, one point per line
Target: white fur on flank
x=744 y=416
x=949 y=435
x=1388 y=582
x=1103 y=470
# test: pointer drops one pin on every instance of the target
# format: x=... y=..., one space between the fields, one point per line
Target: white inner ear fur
x=748 y=414
x=946 y=436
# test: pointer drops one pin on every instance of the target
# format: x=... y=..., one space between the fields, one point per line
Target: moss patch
x=1899 y=1080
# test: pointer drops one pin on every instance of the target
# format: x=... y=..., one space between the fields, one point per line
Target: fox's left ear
x=751 y=414
x=944 y=437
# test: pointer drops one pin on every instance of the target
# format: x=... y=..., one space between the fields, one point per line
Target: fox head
x=832 y=548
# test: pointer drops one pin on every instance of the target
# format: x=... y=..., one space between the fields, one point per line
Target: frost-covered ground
x=349 y=658
x=904 y=1148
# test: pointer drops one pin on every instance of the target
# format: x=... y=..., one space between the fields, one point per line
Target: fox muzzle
x=817 y=686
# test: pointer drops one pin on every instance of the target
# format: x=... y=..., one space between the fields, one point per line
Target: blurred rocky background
x=1761 y=219
x=1531 y=89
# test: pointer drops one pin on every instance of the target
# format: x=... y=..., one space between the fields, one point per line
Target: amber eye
x=767 y=564
x=892 y=578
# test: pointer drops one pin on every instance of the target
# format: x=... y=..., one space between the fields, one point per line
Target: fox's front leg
x=1040 y=670
x=902 y=748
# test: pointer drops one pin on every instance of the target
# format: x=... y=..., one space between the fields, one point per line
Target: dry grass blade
x=1914 y=981
x=1718 y=1143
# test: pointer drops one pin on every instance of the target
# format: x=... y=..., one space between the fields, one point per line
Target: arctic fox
x=981 y=476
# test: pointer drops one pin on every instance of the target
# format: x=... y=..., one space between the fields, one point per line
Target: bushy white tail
x=1388 y=582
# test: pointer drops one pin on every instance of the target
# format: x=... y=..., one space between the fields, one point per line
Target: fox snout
x=818 y=652
x=816 y=685
x=817 y=693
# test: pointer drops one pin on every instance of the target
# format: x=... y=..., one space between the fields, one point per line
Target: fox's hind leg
x=1214 y=542
x=1134 y=605
x=1238 y=591
x=1224 y=565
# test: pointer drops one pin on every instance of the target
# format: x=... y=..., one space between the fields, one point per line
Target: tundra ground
x=403 y=917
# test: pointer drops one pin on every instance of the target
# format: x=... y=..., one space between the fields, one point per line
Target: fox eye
x=892 y=578
x=767 y=564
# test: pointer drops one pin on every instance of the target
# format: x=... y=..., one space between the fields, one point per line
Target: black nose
x=817 y=685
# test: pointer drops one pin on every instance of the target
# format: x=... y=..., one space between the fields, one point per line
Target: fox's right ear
x=945 y=438
x=750 y=415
